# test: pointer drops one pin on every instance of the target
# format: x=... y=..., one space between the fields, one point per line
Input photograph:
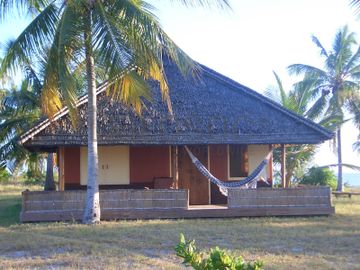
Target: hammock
x=223 y=185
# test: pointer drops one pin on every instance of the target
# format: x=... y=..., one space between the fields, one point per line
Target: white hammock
x=224 y=185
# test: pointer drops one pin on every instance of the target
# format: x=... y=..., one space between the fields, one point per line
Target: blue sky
x=255 y=38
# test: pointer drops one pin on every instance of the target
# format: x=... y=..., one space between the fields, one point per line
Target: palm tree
x=354 y=108
x=15 y=117
x=298 y=100
x=20 y=109
x=337 y=84
x=129 y=45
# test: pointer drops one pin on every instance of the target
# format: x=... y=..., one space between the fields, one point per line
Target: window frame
x=246 y=160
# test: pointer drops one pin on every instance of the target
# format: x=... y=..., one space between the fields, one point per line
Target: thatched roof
x=213 y=110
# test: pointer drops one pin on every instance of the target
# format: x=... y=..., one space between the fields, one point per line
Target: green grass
x=10 y=203
x=282 y=243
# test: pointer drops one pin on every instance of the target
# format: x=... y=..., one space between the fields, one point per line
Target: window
x=238 y=161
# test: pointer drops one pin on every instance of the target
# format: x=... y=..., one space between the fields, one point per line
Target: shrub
x=218 y=259
x=4 y=176
x=33 y=181
x=319 y=177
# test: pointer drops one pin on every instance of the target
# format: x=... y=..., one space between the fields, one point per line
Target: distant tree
x=336 y=86
x=19 y=110
x=318 y=176
x=298 y=100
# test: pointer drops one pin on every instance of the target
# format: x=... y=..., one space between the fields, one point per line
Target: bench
x=338 y=194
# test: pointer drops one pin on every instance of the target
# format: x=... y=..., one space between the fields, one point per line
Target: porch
x=174 y=203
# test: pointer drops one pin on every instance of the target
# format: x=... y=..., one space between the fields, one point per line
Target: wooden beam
x=176 y=167
x=61 y=169
x=271 y=166
x=283 y=165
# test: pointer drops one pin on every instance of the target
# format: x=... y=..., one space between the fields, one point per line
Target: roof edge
x=63 y=111
x=216 y=75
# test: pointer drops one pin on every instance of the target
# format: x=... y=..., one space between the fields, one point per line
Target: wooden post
x=173 y=165
x=283 y=166
x=271 y=166
x=176 y=167
x=61 y=169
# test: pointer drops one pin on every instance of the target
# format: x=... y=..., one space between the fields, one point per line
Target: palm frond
x=130 y=89
x=355 y=4
x=9 y=8
x=33 y=40
x=347 y=165
x=298 y=69
x=70 y=41
x=280 y=88
x=318 y=43
x=206 y=3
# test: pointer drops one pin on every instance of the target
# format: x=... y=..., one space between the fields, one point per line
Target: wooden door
x=190 y=178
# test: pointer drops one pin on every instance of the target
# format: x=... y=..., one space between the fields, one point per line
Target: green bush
x=4 y=176
x=319 y=177
x=218 y=259
x=33 y=181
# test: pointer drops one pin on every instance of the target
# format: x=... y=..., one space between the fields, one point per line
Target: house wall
x=113 y=165
x=118 y=165
x=72 y=166
x=149 y=162
x=256 y=154
x=137 y=166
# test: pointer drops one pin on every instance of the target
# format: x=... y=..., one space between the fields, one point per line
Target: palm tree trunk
x=49 y=180
x=340 y=174
x=92 y=205
x=288 y=178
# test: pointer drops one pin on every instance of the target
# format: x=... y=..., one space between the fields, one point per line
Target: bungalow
x=229 y=128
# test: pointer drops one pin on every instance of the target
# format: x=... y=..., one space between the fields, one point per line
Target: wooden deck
x=213 y=211
x=203 y=211
x=173 y=204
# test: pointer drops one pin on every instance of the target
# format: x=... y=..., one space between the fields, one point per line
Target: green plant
x=320 y=177
x=4 y=176
x=218 y=259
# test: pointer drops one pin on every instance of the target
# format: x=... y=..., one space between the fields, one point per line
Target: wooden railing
x=174 y=203
x=318 y=197
x=69 y=205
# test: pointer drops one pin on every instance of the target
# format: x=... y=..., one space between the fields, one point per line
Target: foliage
x=298 y=100
x=33 y=181
x=19 y=109
x=320 y=177
x=355 y=4
x=217 y=259
x=335 y=86
x=4 y=176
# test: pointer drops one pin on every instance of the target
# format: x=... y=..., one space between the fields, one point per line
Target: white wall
x=256 y=154
x=114 y=166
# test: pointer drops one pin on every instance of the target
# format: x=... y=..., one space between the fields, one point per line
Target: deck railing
x=69 y=205
x=174 y=203
x=280 y=197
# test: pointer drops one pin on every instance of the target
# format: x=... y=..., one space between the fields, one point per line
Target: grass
x=282 y=243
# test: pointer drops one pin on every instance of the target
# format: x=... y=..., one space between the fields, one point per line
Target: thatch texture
x=212 y=110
